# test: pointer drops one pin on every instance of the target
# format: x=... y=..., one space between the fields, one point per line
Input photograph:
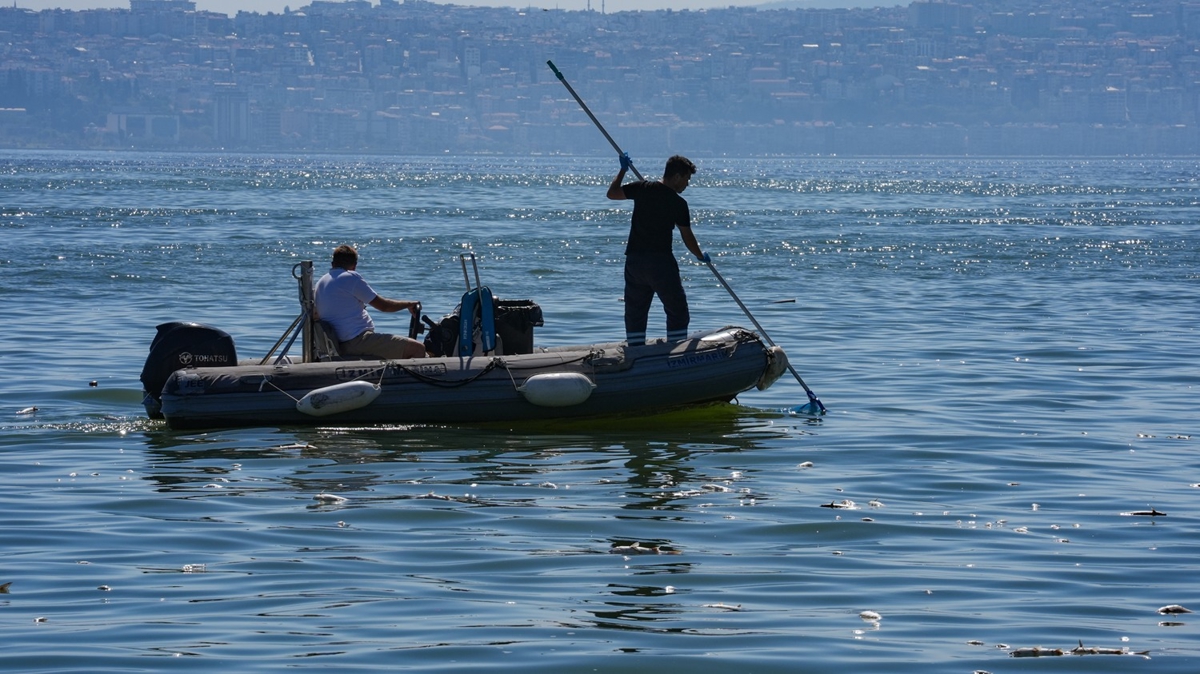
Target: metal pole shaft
x=595 y=121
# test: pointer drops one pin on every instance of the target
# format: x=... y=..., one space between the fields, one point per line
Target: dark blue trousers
x=645 y=277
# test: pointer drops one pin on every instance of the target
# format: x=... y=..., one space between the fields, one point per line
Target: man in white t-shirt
x=341 y=300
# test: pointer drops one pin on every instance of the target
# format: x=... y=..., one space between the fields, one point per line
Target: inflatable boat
x=485 y=368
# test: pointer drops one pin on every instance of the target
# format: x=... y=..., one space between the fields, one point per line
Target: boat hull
x=705 y=368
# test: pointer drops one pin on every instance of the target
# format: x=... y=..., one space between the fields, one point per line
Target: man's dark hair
x=679 y=165
x=345 y=257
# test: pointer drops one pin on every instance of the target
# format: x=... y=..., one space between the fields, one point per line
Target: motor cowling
x=179 y=345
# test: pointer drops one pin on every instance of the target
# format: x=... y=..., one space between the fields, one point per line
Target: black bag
x=442 y=339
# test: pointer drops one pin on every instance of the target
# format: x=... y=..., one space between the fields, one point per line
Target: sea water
x=1007 y=350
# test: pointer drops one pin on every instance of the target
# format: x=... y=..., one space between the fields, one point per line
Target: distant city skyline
x=231 y=7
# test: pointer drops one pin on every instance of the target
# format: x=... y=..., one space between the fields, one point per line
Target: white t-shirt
x=341 y=299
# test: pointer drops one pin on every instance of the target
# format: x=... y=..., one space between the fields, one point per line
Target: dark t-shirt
x=657 y=210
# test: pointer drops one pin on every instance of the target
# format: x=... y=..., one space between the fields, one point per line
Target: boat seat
x=325 y=344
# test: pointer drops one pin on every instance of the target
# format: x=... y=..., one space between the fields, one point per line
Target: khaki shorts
x=383 y=346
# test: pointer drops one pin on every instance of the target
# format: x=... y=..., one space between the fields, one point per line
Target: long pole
x=812 y=397
x=595 y=121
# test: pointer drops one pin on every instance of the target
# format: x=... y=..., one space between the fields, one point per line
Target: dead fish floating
x=639 y=549
x=1173 y=609
x=1039 y=652
x=430 y=496
x=1094 y=650
x=1036 y=652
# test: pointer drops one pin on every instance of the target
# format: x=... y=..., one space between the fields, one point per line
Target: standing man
x=650 y=265
x=341 y=299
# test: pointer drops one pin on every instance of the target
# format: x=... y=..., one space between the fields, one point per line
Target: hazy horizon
x=231 y=7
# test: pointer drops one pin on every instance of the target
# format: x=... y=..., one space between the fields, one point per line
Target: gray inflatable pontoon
x=194 y=380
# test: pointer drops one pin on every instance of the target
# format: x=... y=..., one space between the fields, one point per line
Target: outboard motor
x=180 y=345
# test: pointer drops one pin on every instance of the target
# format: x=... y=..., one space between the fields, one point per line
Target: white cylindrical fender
x=777 y=363
x=343 y=397
x=557 y=389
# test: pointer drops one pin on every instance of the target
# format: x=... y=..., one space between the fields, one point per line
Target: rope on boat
x=743 y=337
x=586 y=358
x=426 y=379
x=267 y=380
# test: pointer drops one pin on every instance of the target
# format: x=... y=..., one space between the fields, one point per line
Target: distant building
x=149 y=6
x=143 y=127
x=231 y=116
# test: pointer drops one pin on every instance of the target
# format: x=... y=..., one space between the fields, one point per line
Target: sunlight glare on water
x=1006 y=349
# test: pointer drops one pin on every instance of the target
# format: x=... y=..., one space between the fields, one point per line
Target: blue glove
x=706 y=258
x=626 y=162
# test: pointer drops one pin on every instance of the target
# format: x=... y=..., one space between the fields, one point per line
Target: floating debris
x=870 y=615
x=4 y=587
x=104 y=588
x=844 y=503
x=788 y=301
x=93 y=383
x=804 y=465
x=296 y=445
x=27 y=410
x=1153 y=512
x=875 y=503
x=638 y=549
x=39 y=619
x=1172 y=609
x=330 y=498
x=435 y=497
x=725 y=607
x=1036 y=652
x=1093 y=650
x=1039 y=652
